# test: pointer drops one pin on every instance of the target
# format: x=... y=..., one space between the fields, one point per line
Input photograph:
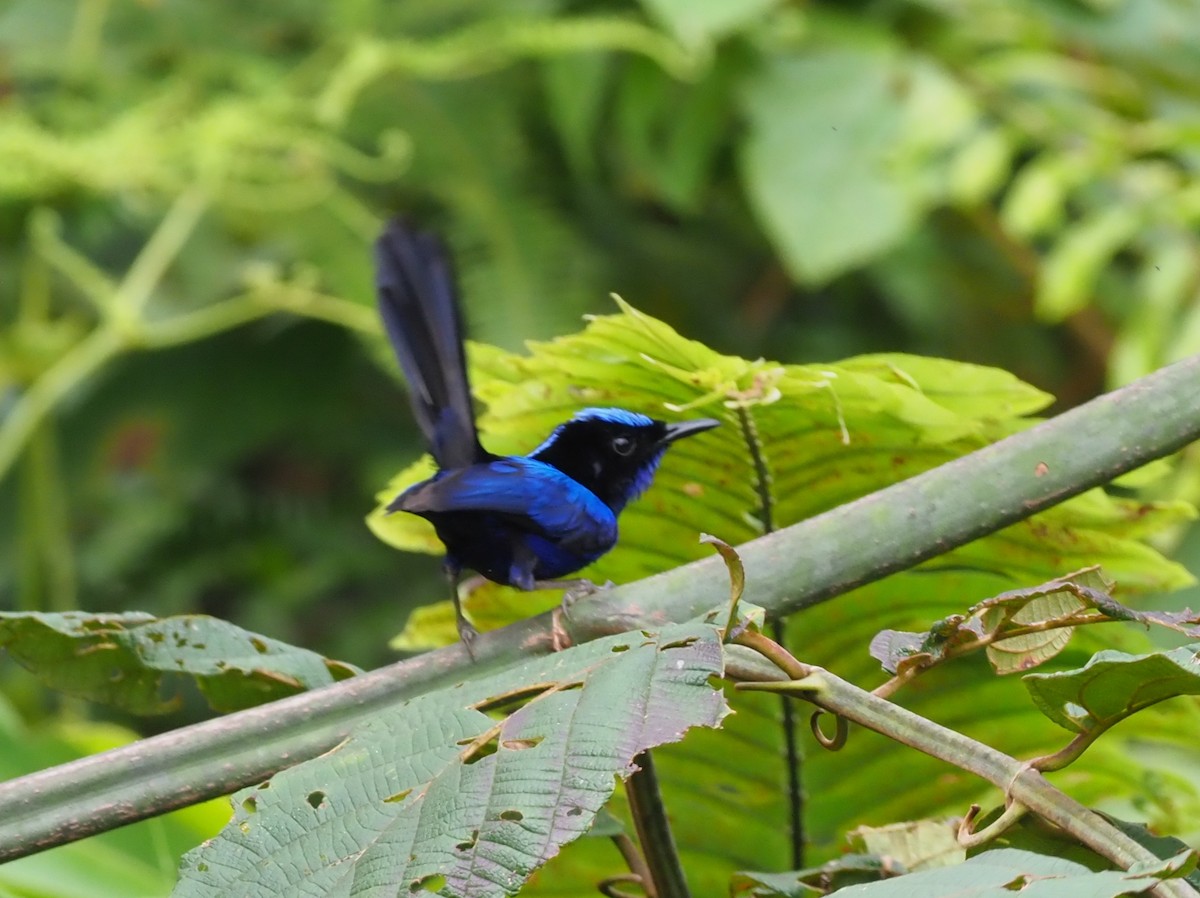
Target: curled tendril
x=840 y=733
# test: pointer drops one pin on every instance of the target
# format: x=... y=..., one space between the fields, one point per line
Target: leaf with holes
x=136 y=662
x=466 y=791
x=1113 y=685
x=1020 y=628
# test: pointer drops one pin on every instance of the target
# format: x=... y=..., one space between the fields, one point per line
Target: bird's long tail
x=418 y=301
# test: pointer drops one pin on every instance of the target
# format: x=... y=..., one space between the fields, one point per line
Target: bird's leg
x=466 y=631
x=576 y=589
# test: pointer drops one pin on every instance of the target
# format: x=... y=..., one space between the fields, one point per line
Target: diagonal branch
x=792 y=568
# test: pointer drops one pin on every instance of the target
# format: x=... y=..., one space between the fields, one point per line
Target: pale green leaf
x=1035 y=203
x=1113 y=685
x=815 y=161
x=914 y=844
x=981 y=166
x=845 y=146
x=1019 y=653
x=1069 y=273
x=702 y=21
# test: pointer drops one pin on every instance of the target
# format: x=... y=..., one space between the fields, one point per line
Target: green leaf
x=136 y=860
x=814 y=160
x=839 y=160
x=669 y=134
x=1165 y=847
x=915 y=844
x=575 y=90
x=1069 y=274
x=136 y=662
x=702 y=21
x=1000 y=873
x=1113 y=685
x=847 y=870
x=981 y=166
x=1035 y=203
x=469 y=789
x=1053 y=609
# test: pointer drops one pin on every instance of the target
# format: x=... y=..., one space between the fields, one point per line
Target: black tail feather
x=418 y=302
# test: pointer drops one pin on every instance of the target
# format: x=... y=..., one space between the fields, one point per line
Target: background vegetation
x=196 y=410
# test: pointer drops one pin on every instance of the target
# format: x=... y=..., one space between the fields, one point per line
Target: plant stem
x=654 y=831
x=636 y=863
x=792 y=761
x=787 y=716
x=147 y=270
x=205 y=322
x=47 y=581
x=84 y=359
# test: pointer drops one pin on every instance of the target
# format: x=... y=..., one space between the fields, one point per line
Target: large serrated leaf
x=827 y=434
x=438 y=794
x=1113 y=685
x=134 y=661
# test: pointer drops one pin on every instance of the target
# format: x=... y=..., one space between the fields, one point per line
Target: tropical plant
x=191 y=426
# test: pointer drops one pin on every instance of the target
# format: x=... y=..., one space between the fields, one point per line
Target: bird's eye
x=622 y=445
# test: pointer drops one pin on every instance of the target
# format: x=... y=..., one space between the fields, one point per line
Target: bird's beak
x=683 y=429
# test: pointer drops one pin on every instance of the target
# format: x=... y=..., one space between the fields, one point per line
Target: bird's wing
x=532 y=495
x=418 y=302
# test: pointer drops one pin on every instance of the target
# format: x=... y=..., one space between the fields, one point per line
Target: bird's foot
x=468 y=634
x=560 y=636
x=574 y=589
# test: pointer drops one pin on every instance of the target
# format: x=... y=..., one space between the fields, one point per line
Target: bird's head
x=614 y=452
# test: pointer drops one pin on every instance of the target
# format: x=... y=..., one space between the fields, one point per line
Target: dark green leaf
x=136 y=662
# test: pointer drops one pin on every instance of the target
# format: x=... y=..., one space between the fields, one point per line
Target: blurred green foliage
x=188 y=418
